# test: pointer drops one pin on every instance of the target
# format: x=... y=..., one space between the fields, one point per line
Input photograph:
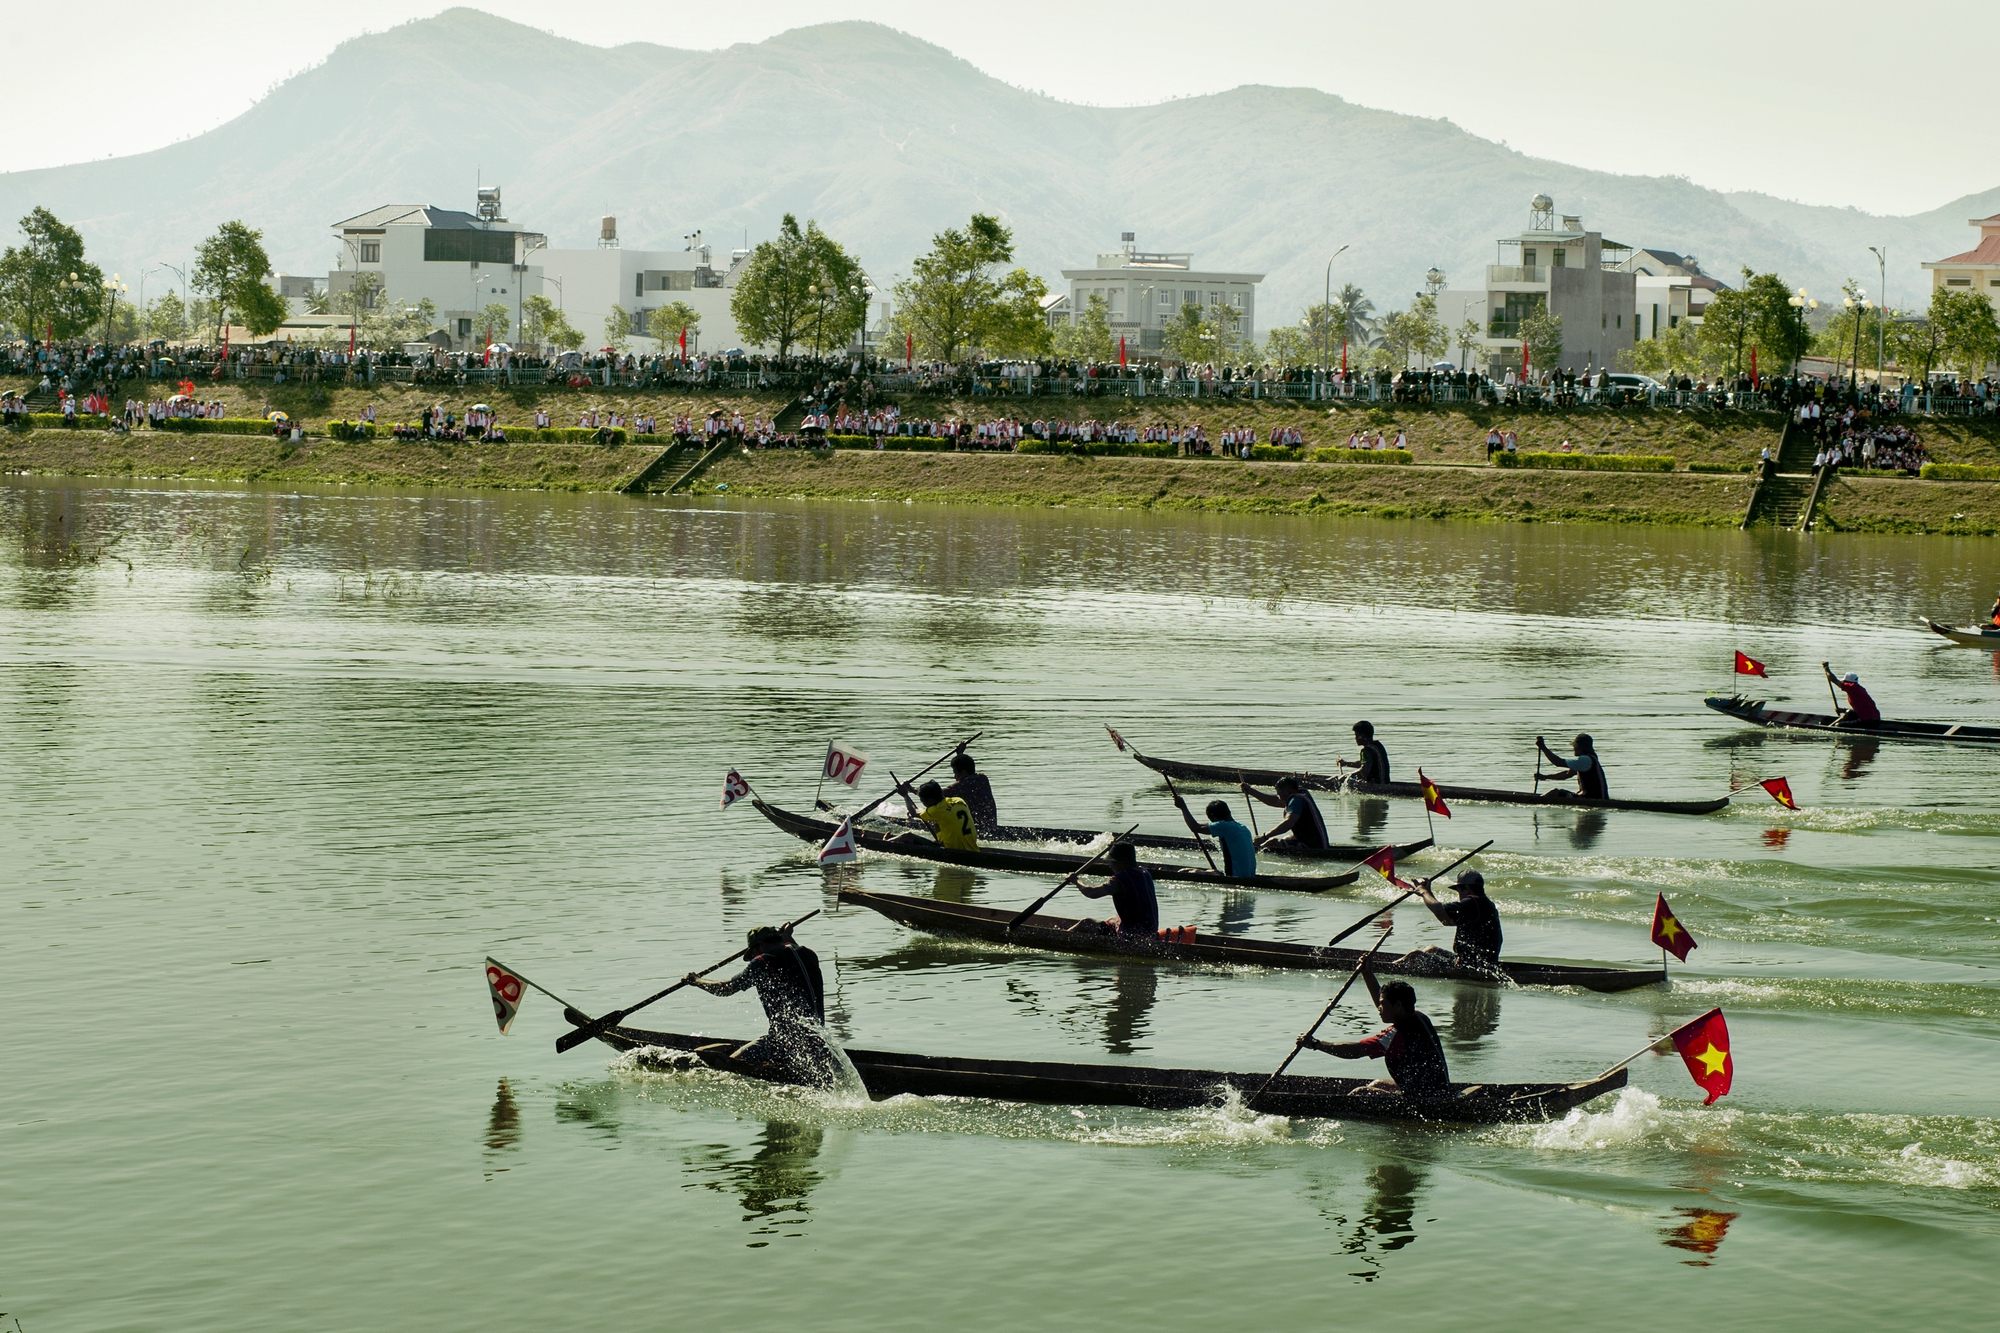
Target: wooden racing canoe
x=893 y=1074
x=923 y=848
x=1265 y=777
x=1062 y=934
x=1988 y=637
x=1753 y=710
x=1167 y=841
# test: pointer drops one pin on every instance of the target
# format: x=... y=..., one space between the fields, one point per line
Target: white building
x=460 y=262
x=1977 y=269
x=1668 y=288
x=1144 y=292
x=587 y=283
x=1576 y=274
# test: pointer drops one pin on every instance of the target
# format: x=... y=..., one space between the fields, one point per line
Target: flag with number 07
x=844 y=764
x=734 y=789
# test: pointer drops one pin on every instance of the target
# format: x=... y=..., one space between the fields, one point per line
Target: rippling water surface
x=282 y=767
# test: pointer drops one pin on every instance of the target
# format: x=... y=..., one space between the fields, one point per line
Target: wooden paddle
x=1409 y=894
x=1300 y=1044
x=1067 y=880
x=867 y=809
x=1199 y=841
x=597 y=1026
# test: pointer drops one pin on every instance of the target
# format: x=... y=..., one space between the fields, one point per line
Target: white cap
x=1851 y=678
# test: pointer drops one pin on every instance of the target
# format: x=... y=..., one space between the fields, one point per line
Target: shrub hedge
x=54 y=421
x=215 y=426
x=1101 y=449
x=1722 y=467
x=1589 y=462
x=1959 y=472
x=916 y=444
x=1336 y=454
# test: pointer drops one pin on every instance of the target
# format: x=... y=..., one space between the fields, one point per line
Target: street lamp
x=1326 y=334
x=1804 y=304
x=112 y=286
x=1881 y=253
x=1858 y=307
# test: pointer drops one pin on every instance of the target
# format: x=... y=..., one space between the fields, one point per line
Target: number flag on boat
x=1781 y=792
x=1117 y=740
x=1669 y=933
x=1433 y=799
x=734 y=789
x=509 y=988
x=1704 y=1045
x=1384 y=863
x=844 y=763
x=840 y=847
x=1749 y=666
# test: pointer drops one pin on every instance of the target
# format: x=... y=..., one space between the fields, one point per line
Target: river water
x=282 y=767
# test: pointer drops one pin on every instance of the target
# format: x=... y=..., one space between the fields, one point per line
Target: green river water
x=281 y=768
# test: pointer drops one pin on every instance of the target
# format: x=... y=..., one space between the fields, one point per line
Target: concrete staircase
x=1787 y=498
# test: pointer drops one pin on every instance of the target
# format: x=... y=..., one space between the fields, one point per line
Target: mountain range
x=886 y=139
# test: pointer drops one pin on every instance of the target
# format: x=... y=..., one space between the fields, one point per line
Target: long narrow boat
x=1034 y=863
x=1753 y=710
x=1264 y=777
x=893 y=1074
x=1988 y=637
x=1165 y=841
x=1062 y=934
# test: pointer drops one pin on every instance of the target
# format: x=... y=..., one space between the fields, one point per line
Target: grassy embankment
x=1449 y=480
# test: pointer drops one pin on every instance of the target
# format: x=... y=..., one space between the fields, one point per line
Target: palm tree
x=1354 y=314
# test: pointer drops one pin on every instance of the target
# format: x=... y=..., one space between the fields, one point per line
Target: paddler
x=1586 y=768
x=1130 y=889
x=1239 y=848
x=1408 y=1046
x=1373 y=765
x=787 y=977
x=971 y=786
x=1860 y=707
x=1476 y=945
x=1993 y=616
x=948 y=816
x=1302 y=829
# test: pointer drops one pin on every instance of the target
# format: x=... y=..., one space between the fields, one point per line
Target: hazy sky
x=1885 y=108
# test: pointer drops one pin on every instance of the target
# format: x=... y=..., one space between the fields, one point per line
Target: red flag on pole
x=1116 y=739
x=1433 y=800
x=684 y=342
x=1343 y=356
x=1749 y=666
x=1781 y=792
x=1384 y=863
x=1121 y=350
x=1524 y=361
x=909 y=350
x=1704 y=1046
x=1669 y=933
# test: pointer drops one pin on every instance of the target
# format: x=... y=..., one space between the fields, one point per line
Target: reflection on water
x=772 y=1183
x=1701 y=1231
x=1133 y=990
x=1776 y=838
x=593 y=1104
x=1371 y=817
x=953 y=884
x=1589 y=827
x=1388 y=1223
x=1857 y=755
x=503 y=1128
x=1475 y=1013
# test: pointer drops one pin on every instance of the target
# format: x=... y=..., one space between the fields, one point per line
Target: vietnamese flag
x=1384 y=863
x=1749 y=666
x=1704 y=1045
x=1781 y=792
x=1433 y=799
x=1669 y=933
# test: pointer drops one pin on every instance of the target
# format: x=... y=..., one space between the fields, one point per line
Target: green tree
x=1917 y=344
x=1427 y=331
x=319 y=301
x=359 y=297
x=1087 y=337
x=670 y=320
x=1729 y=328
x=1188 y=337
x=1469 y=338
x=231 y=267
x=1542 y=333
x=1356 y=318
x=544 y=326
x=803 y=285
x=127 y=322
x=166 y=317
x=1015 y=325
x=946 y=301
x=45 y=282
x=617 y=328
x=1967 y=330
x=493 y=321
x=1295 y=344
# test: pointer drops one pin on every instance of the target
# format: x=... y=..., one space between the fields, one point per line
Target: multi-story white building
x=1144 y=292
x=1576 y=274
x=1978 y=269
x=460 y=262
x=587 y=283
x=1668 y=288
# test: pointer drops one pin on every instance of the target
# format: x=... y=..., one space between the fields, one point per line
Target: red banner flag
x=1117 y=740
x=1669 y=933
x=909 y=350
x=1704 y=1045
x=1781 y=792
x=1749 y=666
x=1384 y=864
x=509 y=988
x=1121 y=350
x=1433 y=801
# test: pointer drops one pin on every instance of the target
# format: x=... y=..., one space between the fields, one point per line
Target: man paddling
x=1585 y=767
x=1860 y=707
x=1408 y=1047
x=1476 y=943
x=1130 y=889
x=787 y=977
x=971 y=786
x=949 y=817
x=1373 y=765
x=1302 y=829
x=1239 y=848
